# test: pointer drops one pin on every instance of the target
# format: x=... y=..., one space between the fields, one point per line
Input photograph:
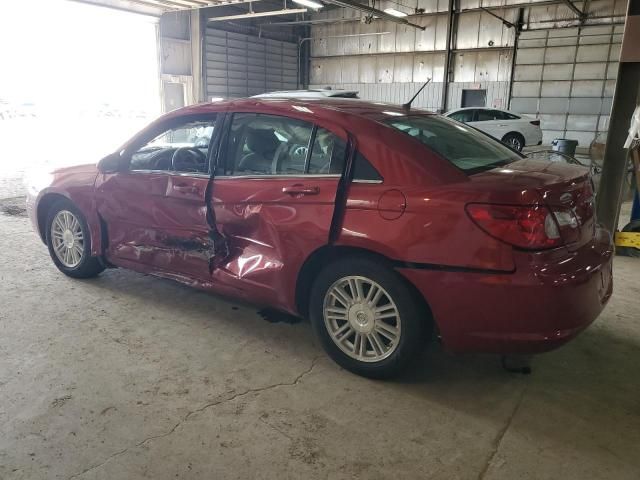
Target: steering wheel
x=192 y=159
x=299 y=151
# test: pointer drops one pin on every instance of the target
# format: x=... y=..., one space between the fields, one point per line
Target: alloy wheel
x=362 y=319
x=515 y=143
x=67 y=238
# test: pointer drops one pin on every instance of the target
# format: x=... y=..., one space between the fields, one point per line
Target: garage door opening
x=474 y=98
x=76 y=81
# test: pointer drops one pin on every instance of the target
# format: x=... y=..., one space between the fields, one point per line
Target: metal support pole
x=451 y=21
x=614 y=168
x=516 y=37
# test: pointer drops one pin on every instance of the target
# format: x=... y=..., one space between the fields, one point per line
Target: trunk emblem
x=566 y=198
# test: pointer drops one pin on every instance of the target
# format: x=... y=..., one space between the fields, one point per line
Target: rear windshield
x=465 y=147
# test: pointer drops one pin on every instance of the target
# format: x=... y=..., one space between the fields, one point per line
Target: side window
x=463 y=116
x=500 y=115
x=363 y=170
x=328 y=153
x=486 y=115
x=266 y=145
x=184 y=148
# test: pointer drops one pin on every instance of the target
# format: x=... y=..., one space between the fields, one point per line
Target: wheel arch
x=516 y=133
x=96 y=229
x=330 y=253
x=42 y=211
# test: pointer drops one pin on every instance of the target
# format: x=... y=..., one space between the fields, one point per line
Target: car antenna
x=407 y=106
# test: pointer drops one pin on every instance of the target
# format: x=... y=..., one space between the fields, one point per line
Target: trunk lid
x=566 y=189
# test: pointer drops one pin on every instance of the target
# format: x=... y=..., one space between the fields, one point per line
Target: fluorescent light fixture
x=309 y=3
x=394 y=12
x=270 y=13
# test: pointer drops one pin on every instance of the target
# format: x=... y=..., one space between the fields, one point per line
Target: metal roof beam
x=507 y=23
x=574 y=9
x=286 y=11
x=378 y=13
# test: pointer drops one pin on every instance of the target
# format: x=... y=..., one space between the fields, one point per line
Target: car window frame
x=472 y=111
x=487 y=110
x=217 y=119
x=222 y=158
x=438 y=154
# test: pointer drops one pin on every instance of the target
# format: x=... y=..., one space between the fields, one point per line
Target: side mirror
x=110 y=163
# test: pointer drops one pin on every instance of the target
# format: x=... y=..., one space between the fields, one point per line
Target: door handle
x=299 y=189
x=186 y=189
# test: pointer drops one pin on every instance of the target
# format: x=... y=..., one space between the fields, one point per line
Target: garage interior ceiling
x=158 y=7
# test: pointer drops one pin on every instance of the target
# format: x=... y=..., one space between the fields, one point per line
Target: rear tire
x=367 y=318
x=69 y=241
x=514 y=140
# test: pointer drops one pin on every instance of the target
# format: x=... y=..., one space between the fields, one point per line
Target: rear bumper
x=549 y=298
x=533 y=137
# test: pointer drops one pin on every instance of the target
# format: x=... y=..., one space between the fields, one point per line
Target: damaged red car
x=384 y=226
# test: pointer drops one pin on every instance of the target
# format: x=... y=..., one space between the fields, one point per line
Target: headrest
x=261 y=141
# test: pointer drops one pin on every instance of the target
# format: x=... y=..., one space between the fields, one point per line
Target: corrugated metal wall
x=393 y=64
x=388 y=62
x=567 y=77
x=239 y=65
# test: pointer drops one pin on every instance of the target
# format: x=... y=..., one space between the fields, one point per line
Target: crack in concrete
x=295 y=382
x=276 y=429
x=498 y=440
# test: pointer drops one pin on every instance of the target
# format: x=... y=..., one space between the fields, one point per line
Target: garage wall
x=567 y=78
x=239 y=65
x=564 y=73
x=388 y=62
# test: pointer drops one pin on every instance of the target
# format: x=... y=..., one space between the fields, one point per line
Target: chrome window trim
x=372 y=182
x=272 y=176
x=170 y=172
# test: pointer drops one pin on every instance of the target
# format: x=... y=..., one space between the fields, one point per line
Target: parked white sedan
x=515 y=130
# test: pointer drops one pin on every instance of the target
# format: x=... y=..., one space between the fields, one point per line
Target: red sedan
x=382 y=225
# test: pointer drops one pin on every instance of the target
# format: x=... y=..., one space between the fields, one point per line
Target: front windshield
x=468 y=149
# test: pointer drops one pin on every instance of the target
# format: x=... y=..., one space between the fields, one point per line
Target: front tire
x=69 y=241
x=367 y=318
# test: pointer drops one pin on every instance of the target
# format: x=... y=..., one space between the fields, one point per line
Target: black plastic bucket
x=565 y=145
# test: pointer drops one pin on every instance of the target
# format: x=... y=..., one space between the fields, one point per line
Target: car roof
x=351 y=106
x=311 y=93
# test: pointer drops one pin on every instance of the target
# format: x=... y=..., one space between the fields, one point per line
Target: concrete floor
x=128 y=376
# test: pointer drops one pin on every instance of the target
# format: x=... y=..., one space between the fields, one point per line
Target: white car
x=306 y=94
x=513 y=129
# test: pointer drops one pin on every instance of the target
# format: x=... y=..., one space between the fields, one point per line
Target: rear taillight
x=535 y=122
x=568 y=224
x=532 y=227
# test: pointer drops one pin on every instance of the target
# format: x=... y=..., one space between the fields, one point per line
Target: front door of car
x=273 y=196
x=154 y=210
